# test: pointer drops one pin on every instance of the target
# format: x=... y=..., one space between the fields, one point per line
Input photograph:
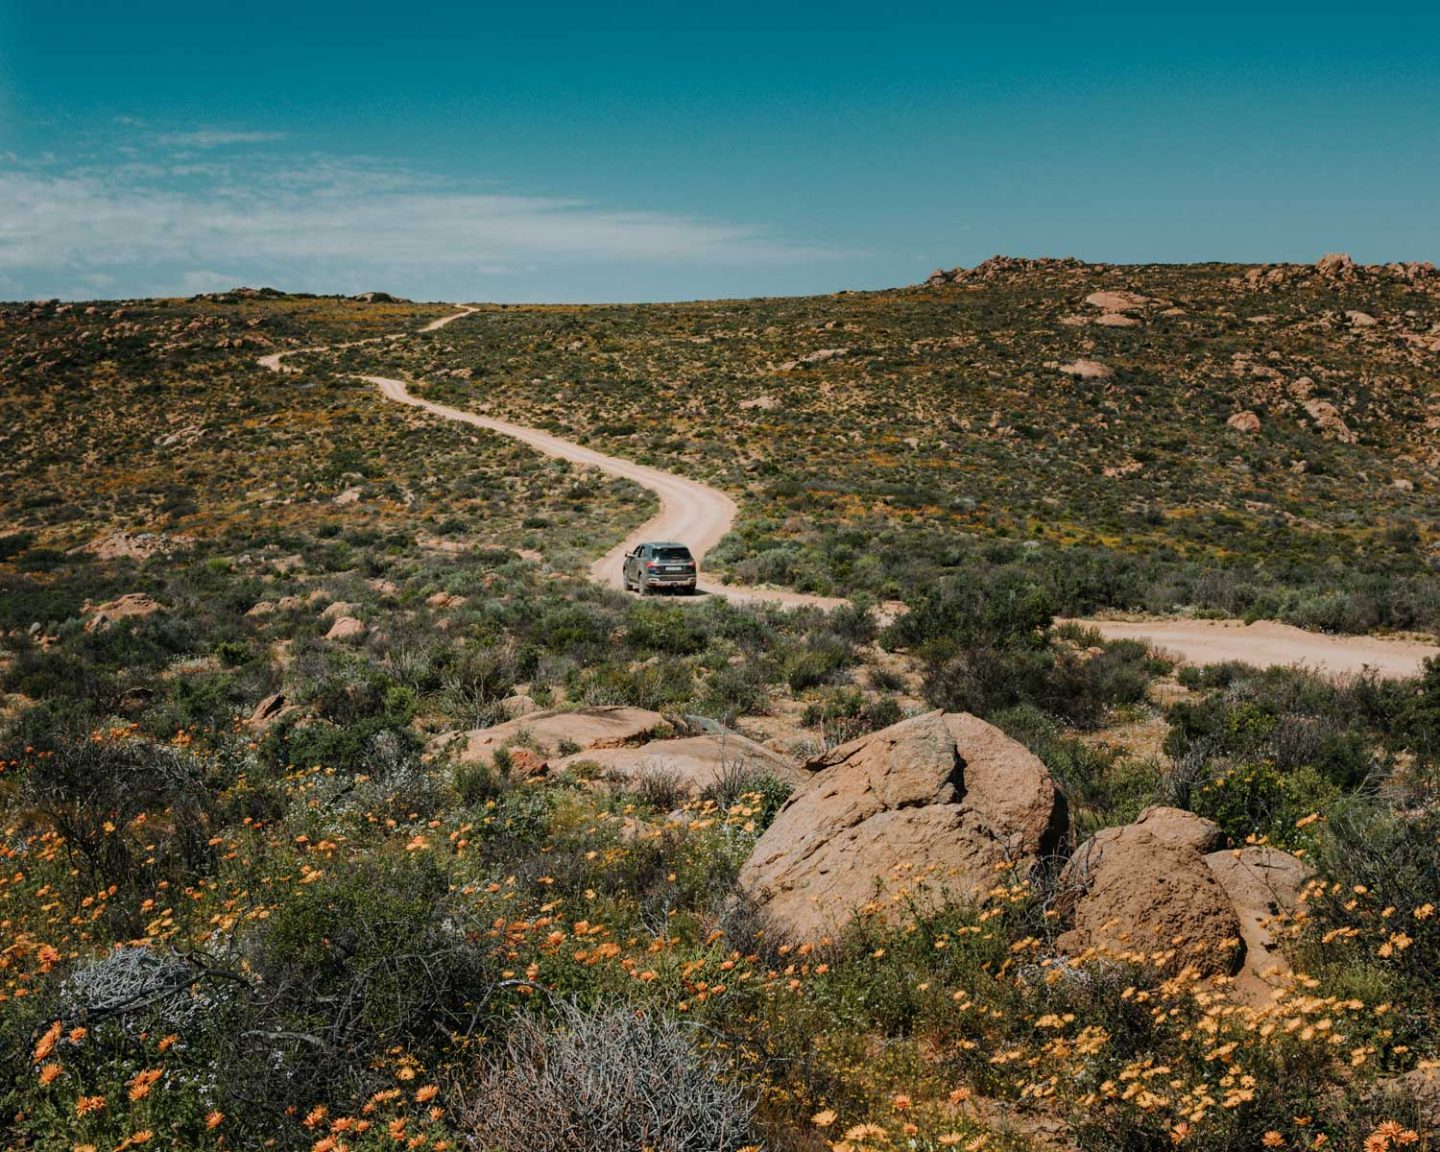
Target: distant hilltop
x=1335 y=267
x=236 y=294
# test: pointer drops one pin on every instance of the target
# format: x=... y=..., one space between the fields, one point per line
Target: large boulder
x=1163 y=891
x=1150 y=901
x=554 y=732
x=936 y=807
x=695 y=762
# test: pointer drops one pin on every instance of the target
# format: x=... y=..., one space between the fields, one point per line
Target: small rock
x=1246 y=422
x=1328 y=419
x=1087 y=370
x=346 y=628
x=349 y=496
x=1361 y=320
x=1117 y=301
x=1117 y=320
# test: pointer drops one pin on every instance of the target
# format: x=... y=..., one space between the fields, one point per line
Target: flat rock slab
x=696 y=762
x=586 y=728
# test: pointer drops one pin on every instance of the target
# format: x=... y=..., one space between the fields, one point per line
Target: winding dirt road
x=700 y=516
x=690 y=512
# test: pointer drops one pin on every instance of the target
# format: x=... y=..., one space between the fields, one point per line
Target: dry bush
x=606 y=1081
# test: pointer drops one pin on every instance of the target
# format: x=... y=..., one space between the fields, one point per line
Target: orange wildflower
x=47 y=1042
x=142 y=1081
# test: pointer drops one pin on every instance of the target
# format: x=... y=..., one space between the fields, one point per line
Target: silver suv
x=652 y=567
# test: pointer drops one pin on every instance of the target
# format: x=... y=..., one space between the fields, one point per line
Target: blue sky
x=667 y=151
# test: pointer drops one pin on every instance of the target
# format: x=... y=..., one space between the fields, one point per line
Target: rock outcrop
x=1328 y=419
x=1118 y=301
x=1337 y=268
x=1246 y=422
x=940 y=806
x=133 y=546
x=1087 y=370
x=128 y=607
x=1003 y=267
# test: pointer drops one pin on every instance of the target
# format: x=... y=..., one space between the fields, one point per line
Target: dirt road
x=693 y=513
x=700 y=516
x=690 y=512
x=1266 y=643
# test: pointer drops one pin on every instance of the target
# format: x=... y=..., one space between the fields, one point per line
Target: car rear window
x=672 y=553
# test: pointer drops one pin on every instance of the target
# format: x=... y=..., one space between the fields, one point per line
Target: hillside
x=341 y=810
x=1229 y=441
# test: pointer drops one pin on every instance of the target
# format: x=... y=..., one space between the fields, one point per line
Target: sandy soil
x=1266 y=643
x=700 y=516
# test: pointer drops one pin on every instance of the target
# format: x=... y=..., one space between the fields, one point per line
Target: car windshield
x=672 y=554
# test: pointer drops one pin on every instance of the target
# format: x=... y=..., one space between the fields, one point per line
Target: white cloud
x=216 y=138
x=324 y=224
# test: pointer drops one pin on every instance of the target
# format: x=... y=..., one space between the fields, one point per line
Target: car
x=658 y=566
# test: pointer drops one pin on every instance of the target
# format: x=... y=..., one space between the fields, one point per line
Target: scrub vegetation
x=249 y=900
